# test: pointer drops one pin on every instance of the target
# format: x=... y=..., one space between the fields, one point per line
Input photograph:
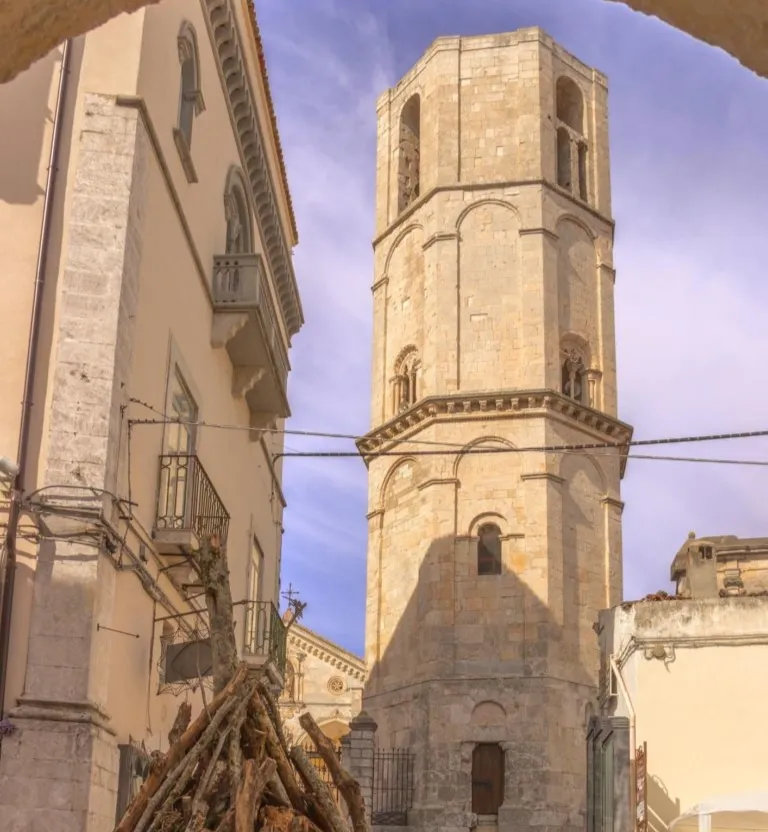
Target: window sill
x=184 y=154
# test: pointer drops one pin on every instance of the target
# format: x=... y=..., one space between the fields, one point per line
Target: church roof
x=302 y=638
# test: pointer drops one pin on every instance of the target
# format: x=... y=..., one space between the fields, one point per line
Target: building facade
x=162 y=300
x=488 y=559
x=323 y=679
x=680 y=699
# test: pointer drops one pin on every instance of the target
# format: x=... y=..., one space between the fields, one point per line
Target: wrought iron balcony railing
x=240 y=283
x=265 y=633
x=187 y=500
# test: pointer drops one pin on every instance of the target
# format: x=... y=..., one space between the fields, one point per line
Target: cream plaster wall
x=698 y=705
x=128 y=287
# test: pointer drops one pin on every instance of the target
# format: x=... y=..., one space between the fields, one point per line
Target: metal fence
x=265 y=632
x=319 y=765
x=392 y=786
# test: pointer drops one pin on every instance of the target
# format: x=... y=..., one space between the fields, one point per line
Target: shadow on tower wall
x=483 y=659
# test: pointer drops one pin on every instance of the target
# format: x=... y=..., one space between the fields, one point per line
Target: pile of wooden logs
x=230 y=769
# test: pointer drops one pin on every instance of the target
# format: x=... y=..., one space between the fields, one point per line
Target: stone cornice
x=244 y=115
x=446 y=481
x=492 y=405
x=546 y=232
x=439 y=238
x=309 y=642
x=543 y=475
x=468 y=187
x=54 y=710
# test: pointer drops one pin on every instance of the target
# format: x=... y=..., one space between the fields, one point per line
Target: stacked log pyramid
x=231 y=769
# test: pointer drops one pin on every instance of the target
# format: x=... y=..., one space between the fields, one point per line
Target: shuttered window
x=487 y=779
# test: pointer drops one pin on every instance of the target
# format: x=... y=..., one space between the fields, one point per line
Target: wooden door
x=487 y=779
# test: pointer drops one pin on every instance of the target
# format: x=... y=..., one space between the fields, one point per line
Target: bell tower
x=488 y=556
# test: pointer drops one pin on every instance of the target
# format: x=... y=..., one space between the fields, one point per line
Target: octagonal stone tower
x=489 y=558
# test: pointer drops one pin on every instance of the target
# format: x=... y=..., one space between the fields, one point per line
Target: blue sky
x=690 y=176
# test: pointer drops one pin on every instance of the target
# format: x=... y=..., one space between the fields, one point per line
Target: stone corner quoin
x=30 y=29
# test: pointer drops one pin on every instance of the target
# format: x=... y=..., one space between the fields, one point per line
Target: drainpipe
x=632 y=739
x=14 y=512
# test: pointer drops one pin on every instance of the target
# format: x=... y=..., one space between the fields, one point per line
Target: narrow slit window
x=489 y=550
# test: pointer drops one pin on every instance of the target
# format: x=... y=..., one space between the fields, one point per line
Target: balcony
x=245 y=322
x=264 y=645
x=188 y=506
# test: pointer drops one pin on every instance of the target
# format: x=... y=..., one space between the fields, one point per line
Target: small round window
x=336 y=685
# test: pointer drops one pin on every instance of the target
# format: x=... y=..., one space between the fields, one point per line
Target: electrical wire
x=575 y=448
x=448 y=449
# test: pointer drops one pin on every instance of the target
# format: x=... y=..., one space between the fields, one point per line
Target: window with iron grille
x=133 y=771
x=392 y=786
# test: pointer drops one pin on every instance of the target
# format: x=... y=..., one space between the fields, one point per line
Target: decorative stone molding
x=225 y=326
x=546 y=232
x=244 y=114
x=440 y=237
x=380 y=284
x=543 y=475
x=56 y=711
x=187 y=43
x=336 y=685
x=662 y=652
x=185 y=155
x=304 y=640
x=490 y=406
x=737 y=27
x=244 y=379
x=396 y=224
x=262 y=420
x=612 y=502
x=445 y=481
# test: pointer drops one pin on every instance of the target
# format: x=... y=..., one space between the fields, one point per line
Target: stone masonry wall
x=489 y=274
x=58 y=771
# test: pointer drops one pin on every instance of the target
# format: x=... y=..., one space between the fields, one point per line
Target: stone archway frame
x=738 y=27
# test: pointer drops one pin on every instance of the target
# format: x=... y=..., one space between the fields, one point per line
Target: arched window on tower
x=487 y=778
x=570 y=104
x=191 y=102
x=572 y=148
x=409 y=152
x=489 y=550
x=406 y=379
x=574 y=370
